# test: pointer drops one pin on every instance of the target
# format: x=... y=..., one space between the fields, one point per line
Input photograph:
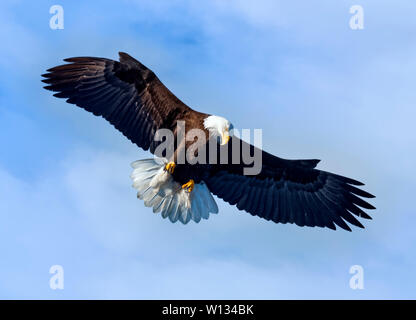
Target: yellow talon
x=189 y=186
x=170 y=167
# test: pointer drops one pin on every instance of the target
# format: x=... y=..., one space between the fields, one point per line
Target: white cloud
x=83 y=213
x=122 y=250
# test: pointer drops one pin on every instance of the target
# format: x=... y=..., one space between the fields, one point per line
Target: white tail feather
x=156 y=187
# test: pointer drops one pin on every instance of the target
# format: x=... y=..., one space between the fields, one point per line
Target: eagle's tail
x=159 y=190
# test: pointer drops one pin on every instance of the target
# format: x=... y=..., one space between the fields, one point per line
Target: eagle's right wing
x=126 y=93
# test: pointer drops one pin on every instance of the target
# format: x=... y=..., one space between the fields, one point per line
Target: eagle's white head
x=219 y=127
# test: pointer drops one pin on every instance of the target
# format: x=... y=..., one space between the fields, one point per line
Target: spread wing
x=125 y=93
x=290 y=191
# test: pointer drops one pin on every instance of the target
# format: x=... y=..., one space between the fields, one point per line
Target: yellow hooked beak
x=225 y=137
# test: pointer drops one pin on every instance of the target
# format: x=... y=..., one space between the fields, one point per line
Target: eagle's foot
x=170 y=167
x=189 y=186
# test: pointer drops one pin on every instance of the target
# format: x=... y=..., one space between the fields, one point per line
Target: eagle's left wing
x=290 y=191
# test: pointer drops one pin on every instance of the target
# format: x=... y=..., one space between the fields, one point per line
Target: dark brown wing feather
x=125 y=93
x=290 y=191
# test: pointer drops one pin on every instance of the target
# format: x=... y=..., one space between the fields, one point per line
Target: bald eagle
x=132 y=98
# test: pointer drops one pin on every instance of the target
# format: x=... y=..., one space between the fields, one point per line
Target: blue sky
x=292 y=68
